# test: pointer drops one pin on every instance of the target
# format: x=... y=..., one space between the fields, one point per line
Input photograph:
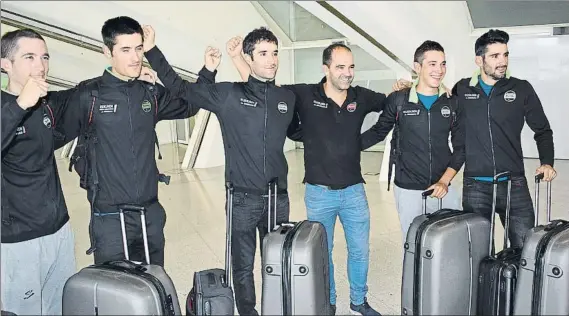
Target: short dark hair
x=256 y=36
x=10 y=40
x=427 y=46
x=327 y=53
x=122 y=25
x=490 y=37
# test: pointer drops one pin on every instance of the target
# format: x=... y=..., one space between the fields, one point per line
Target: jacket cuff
x=205 y=73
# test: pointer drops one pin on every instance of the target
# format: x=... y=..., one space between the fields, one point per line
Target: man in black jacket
x=35 y=223
x=35 y=220
x=254 y=118
x=116 y=118
x=496 y=106
x=423 y=116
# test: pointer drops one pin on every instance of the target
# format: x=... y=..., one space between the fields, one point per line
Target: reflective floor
x=195 y=227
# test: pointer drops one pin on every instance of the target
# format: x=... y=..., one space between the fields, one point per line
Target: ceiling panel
x=297 y=23
x=487 y=14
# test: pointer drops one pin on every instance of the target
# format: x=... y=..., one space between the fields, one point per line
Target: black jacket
x=254 y=117
x=420 y=143
x=33 y=204
x=121 y=116
x=493 y=126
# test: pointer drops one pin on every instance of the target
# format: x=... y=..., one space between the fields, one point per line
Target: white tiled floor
x=194 y=202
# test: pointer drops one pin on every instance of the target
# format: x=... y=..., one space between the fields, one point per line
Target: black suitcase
x=498 y=272
x=212 y=293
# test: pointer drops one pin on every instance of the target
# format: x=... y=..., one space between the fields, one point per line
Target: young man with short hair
x=254 y=117
x=35 y=223
x=423 y=116
x=116 y=118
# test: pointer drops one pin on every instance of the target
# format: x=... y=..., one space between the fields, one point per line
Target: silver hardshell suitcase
x=543 y=282
x=295 y=267
x=440 y=263
x=122 y=287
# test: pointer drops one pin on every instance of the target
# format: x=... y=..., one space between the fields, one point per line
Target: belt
x=258 y=191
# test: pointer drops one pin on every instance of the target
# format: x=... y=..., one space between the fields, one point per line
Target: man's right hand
x=34 y=89
x=401 y=84
x=234 y=46
x=149 y=38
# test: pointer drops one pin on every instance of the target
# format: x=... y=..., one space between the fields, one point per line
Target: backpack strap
x=400 y=99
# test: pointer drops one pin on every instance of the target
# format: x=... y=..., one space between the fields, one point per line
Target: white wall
x=183 y=31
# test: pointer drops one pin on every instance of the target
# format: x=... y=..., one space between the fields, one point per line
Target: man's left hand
x=439 y=190
x=212 y=58
x=548 y=172
x=148 y=75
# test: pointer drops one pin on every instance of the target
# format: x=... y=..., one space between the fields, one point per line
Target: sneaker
x=363 y=309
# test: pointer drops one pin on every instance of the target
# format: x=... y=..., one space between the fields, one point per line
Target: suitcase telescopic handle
x=123 y=208
x=497 y=178
x=272 y=206
x=228 y=231
x=538 y=179
x=426 y=194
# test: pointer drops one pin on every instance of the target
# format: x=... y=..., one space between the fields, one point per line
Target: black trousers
x=250 y=216
x=108 y=237
x=477 y=197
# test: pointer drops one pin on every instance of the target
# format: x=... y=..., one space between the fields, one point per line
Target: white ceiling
x=486 y=14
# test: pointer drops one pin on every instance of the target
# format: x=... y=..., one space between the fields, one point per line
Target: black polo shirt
x=331 y=132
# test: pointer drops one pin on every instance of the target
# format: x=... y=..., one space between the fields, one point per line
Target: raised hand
x=212 y=58
x=234 y=46
x=149 y=38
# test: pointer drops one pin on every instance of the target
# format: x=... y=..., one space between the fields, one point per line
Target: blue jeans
x=350 y=204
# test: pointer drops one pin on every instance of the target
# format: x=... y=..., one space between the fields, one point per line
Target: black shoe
x=363 y=309
x=333 y=310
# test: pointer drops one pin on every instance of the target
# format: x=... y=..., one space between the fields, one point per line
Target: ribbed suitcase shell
x=120 y=288
x=443 y=251
x=543 y=283
x=296 y=270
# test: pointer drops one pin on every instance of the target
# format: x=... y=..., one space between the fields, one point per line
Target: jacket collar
x=474 y=79
x=113 y=79
x=256 y=82
x=414 y=98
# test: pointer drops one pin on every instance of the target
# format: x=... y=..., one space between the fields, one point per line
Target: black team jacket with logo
x=123 y=115
x=493 y=126
x=421 y=150
x=33 y=205
x=254 y=117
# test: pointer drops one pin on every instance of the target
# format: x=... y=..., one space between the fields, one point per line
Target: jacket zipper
x=265 y=134
x=430 y=150
x=132 y=144
x=490 y=130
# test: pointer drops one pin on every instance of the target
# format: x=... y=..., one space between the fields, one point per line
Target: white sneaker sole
x=353 y=312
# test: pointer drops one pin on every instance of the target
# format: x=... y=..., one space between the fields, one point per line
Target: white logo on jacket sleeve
x=510 y=96
x=283 y=107
x=472 y=96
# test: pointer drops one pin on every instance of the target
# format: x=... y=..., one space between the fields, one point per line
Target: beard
x=493 y=72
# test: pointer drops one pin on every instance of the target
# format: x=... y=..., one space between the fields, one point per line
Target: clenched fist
x=212 y=58
x=149 y=38
x=34 y=89
x=148 y=75
x=234 y=46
